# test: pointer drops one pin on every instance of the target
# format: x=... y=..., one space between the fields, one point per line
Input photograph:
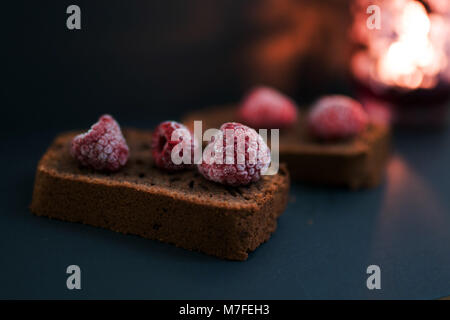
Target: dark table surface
x=324 y=242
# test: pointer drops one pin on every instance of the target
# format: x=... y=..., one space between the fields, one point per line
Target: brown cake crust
x=356 y=163
x=179 y=208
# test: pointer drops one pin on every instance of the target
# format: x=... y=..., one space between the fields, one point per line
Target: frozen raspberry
x=236 y=155
x=103 y=147
x=267 y=108
x=168 y=136
x=337 y=117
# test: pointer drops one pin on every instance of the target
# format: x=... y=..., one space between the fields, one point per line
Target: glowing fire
x=412 y=48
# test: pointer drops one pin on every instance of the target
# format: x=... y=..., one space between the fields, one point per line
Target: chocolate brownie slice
x=180 y=208
x=354 y=163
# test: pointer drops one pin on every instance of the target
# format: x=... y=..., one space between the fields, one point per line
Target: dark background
x=148 y=61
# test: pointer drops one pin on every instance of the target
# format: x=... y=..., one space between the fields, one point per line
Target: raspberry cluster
x=237 y=155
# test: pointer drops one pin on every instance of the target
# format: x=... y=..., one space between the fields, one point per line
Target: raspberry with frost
x=268 y=108
x=237 y=155
x=163 y=142
x=337 y=117
x=103 y=147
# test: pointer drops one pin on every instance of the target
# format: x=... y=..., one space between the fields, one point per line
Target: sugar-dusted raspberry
x=337 y=117
x=237 y=155
x=103 y=147
x=267 y=108
x=166 y=137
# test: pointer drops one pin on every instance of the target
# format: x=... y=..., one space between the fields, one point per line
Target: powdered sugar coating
x=163 y=144
x=235 y=159
x=267 y=108
x=103 y=147
x=337 y=117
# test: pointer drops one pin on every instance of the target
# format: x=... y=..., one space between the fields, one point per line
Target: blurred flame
x=411 y=50
x=413 y=57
